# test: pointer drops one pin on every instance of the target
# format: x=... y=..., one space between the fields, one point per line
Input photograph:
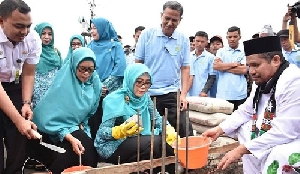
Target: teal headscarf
x=79 y=37
x=68 y=102
x=50 y=58
x=114 y=104
x=107 y=49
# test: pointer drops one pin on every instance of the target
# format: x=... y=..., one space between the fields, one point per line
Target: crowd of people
x=83 y=102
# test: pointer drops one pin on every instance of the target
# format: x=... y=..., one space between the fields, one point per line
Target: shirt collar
x=293 y=50
x=203 y=54
x=3 y=37
x=175 y=34
x=239 y=48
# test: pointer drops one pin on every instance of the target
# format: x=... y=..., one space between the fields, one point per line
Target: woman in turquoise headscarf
x=116 y=136
x=49 y=64
x=111 y=61
x=109 y=53
x=70 y=101
x=76 y=41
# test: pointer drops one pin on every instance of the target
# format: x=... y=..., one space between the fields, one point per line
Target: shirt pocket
x=2 y=57
x=175 y=54
x=21 y=55
x=2 y=61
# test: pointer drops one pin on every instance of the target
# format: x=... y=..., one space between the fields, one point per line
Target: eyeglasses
x=84 y=69
x=139 y=84
x=74 y=44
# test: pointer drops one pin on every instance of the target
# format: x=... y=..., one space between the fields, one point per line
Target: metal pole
x=187 y=120
x=152 y=135
x=163 y=166
x=138 y=142
x=177 y=130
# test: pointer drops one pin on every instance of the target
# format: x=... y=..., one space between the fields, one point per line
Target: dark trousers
x=96 y=119
x=237 y=103
x=128 y=151
x=170 y=101
x=57 y=162
x=15 y=143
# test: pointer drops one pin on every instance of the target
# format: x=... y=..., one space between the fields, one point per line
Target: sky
x=211 y=16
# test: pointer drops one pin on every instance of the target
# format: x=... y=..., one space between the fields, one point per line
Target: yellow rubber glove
x=125 y=129
x=171 y=135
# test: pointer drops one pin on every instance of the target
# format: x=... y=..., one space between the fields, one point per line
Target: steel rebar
x=138 y=142
x=152 y=135
x=177 y=130
x=187 y=120
x=165 y=117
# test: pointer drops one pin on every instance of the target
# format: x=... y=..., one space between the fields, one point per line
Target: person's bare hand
x=77 y=146
x=213 y=133
x=236 y=64
x=27 y=112
x=203 y=94
x=229 y=158
x=286 y=17
x=184 y=102
x=104 y=91
x=25 y=127
x=218 y=60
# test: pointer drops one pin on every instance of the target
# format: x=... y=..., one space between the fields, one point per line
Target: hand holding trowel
x=50 y=146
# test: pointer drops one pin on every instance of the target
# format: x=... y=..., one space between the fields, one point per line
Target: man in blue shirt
x=216 y=42
x=230 y=62
x=192 y=43
x=203 y=75
x=290 y=54
x=166 y=52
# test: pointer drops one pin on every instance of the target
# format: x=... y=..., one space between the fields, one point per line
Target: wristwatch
x=27 y=102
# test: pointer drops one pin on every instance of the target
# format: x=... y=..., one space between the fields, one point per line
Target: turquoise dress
x=50 y=62
x=109 y=53
x=69 y=102
x=116 y=109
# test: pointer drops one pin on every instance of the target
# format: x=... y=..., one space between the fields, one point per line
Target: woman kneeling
x=117 y=137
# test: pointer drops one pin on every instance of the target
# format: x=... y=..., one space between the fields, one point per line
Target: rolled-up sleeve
x=186 y=52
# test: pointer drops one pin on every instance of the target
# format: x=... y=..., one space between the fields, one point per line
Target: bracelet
x=27 y=102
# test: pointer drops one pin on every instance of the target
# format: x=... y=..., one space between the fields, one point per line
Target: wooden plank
x=131 y=167
x=224 y=148
x=146 y=164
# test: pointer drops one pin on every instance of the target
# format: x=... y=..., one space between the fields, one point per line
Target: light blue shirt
x=130 y=59
x=201 y=68
x=231 y=86
x=164 y=56
x=293 y=57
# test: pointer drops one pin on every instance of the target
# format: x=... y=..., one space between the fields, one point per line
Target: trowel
x=49 y=146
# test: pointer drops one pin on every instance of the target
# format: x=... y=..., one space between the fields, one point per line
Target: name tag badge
x=2 y=56
x=17 y=79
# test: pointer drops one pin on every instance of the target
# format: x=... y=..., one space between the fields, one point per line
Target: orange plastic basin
x=198 y=147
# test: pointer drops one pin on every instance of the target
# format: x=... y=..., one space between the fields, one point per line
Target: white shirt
x=285 y=125
x=29 y=51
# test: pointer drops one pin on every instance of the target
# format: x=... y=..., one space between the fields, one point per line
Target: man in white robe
x=268 y=130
